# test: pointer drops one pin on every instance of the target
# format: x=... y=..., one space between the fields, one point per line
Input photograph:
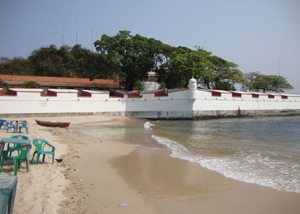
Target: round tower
x=192 y=89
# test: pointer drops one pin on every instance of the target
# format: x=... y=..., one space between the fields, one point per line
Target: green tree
x=267 y=83
x=130 y=56
x=182 y=64
x=279 y=84
x=225 y=75
x=15 y=66
x=50 y=61
x=86 y=63
x=30 y=84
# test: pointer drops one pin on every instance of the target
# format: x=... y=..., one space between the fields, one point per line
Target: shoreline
x=97 y=176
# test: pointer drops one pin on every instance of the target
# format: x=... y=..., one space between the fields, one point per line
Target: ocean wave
x=170 y=144
x=253 y=168
x=250 y=167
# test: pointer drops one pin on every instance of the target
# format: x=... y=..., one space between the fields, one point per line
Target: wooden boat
x=53 y=124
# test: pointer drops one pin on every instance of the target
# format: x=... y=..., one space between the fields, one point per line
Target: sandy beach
x=102 y=176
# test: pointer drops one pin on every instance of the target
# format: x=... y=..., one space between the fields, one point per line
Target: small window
x=236 y=95
x=216 y=94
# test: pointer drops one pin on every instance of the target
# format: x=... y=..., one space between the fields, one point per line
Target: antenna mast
x=76 y=29
x=278 y=69
x=63 y=32
x=92 y=40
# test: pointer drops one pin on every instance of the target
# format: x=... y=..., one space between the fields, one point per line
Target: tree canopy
x=131 y=57
x=225 y=75
x=128 y=59
x=181 y=64
x=267 y=83
x=15 y=66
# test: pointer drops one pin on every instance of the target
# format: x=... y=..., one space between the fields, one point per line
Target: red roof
x=59 y=81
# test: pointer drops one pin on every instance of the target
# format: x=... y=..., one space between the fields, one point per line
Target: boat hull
x=53 y=124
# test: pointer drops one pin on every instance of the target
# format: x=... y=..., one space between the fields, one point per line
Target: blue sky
x=258 y=35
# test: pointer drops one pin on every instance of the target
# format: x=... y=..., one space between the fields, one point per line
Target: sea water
x=264 y=151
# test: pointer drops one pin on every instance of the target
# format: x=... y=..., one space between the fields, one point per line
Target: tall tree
x=131 y=56
x=50 y=61
x=182 y=64
x=83 y=61
x=225 y=75
x=267 y=83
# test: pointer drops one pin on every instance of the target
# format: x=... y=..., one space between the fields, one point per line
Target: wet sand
x=96 y=176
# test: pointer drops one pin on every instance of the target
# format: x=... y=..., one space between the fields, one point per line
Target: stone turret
x=192 y=89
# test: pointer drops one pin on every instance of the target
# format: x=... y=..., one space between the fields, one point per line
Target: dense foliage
x=131 y=56
x=264 y=83
x=128 y=58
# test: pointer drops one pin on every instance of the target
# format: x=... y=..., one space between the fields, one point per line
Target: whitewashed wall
x=66 y=101
x=227 y=105
x=177 y=104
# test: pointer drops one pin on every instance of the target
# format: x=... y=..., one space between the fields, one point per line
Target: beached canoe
x=53 y=124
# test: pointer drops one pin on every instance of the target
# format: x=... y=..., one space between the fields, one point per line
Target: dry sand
x=97 y=176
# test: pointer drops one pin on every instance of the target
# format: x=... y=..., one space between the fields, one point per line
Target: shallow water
x=265 y=151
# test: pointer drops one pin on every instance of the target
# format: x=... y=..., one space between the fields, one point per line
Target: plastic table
x=8 y=187
x=12 y=140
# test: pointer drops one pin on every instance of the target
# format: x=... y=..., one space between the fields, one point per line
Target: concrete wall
x=173 y=104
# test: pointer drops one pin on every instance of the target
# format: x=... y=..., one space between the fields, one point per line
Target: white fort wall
x=60 y=101
x=207 y=105
x=174 y=104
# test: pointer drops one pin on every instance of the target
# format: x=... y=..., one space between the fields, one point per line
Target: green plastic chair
x=11 y=146
x=22 y=156
x=40 y=145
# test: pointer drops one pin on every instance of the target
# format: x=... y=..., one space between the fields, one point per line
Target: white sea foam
x=175 y=147
x=251 y=167
x=148 y=125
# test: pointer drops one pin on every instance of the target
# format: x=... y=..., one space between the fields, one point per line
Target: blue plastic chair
x=40 y=145
x=9 y=125
x=22 y=150
x=23 y=124
x=2 y=123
